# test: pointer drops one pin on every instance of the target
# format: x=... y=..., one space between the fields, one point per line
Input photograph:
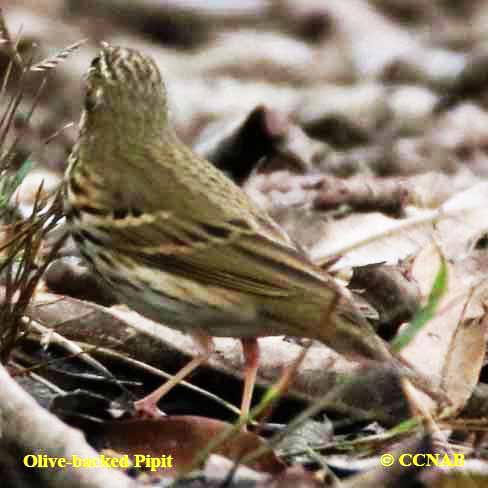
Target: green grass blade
x=426 y=313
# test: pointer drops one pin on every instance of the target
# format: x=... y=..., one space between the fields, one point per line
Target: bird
x=179 y=242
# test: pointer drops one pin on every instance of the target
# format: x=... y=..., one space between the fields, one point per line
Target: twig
x=35 y=431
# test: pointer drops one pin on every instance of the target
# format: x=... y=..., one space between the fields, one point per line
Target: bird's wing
x=255 y=257
x=211 y=232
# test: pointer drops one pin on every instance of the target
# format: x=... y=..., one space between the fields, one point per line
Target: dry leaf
x=182 y=437
x=450 y=348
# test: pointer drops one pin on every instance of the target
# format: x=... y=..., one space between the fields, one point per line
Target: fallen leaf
x=182 y=438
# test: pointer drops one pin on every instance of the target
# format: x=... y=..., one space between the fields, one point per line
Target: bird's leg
x=149 y=404
x=250 y=349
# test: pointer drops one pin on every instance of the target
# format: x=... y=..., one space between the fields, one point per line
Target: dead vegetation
x=362 y=127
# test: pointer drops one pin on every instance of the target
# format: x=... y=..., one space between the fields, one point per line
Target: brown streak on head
x=128 y=66
x=124 y=89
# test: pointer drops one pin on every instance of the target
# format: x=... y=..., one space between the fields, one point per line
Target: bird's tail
x=345 y=330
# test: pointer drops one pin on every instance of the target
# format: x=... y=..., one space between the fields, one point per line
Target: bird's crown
x=120 y=73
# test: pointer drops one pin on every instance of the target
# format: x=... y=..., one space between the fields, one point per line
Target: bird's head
x=124 y=87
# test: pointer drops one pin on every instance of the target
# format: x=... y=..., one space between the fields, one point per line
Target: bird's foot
x=146 y=408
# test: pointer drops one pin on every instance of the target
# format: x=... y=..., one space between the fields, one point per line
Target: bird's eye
x=95 y=63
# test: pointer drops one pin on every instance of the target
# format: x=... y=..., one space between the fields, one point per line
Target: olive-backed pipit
x=178 y=241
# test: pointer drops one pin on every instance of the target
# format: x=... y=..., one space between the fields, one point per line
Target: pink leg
x=250 y=349
x=149 y=404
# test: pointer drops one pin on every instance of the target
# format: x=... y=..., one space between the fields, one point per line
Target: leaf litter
x=387 y=173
